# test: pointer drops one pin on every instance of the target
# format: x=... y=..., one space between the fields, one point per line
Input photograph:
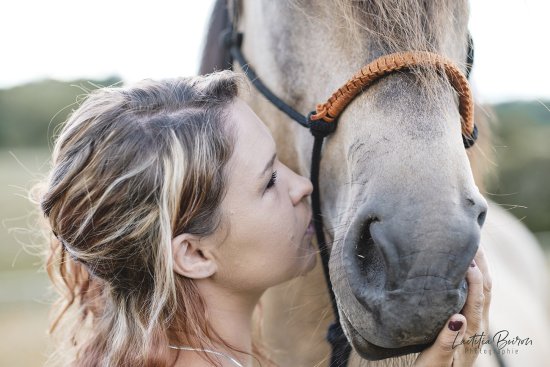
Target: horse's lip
x=380 y=299
x=373 y=352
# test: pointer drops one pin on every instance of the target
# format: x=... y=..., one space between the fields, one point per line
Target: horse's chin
x=368 y=348
x=372 y=352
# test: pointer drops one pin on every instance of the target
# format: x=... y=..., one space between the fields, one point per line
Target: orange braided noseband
x=387 y=64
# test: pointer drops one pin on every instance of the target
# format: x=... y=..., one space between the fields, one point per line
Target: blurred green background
x=29 y=115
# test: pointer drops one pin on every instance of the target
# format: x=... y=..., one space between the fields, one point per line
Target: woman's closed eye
x=272 y=180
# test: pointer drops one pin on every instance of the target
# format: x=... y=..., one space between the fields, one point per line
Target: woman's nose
x=300 y=188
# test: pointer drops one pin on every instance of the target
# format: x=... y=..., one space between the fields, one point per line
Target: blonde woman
x=170 y=216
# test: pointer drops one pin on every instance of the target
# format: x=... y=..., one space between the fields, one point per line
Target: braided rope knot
x=367 y=75
x=321 y=113
x=322 y=126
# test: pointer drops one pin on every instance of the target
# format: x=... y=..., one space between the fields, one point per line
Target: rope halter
x=382 y=66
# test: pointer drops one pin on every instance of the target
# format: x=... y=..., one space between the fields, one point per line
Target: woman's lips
x=310 y=229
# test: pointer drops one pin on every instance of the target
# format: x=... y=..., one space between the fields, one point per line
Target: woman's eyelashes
x=272 y=180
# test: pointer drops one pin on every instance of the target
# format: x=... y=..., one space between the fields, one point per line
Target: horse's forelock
x=399 y=25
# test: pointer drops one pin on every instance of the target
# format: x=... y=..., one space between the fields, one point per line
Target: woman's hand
x=448 y=349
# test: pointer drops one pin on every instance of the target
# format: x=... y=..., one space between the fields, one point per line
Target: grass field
x=23 y=285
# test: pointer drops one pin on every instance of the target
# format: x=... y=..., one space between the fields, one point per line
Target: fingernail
x=455 y=325
x=473 y=264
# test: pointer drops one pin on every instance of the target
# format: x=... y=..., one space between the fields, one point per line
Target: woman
x=171 y=215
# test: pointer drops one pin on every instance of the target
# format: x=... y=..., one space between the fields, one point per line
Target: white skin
x=263 y=240
x=266 y=239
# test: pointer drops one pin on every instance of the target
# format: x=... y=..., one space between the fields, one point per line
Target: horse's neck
x=295 y=317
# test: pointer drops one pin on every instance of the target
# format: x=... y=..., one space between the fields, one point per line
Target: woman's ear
x=188 y=258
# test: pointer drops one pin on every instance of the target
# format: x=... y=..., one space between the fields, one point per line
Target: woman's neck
x=230 y=315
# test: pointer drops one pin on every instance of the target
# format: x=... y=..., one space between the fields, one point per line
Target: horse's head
x=397 y=192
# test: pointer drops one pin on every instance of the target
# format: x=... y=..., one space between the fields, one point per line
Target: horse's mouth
x=392 y=305
x=372 y=352
x=397 y=344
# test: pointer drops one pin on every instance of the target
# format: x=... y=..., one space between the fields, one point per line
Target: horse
x=400 y=196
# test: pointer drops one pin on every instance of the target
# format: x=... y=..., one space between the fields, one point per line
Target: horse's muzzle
x=406 y=278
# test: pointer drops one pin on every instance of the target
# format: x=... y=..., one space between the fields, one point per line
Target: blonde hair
x=134 y=167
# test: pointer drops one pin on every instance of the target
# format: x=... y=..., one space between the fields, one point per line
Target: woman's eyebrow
x=269 y=164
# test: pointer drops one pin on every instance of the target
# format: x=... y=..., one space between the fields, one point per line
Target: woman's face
x=265 y=238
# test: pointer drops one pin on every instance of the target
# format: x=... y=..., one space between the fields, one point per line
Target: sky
x=69 y=39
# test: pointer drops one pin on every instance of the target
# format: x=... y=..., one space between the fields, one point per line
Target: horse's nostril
x=478 y=205
x=368 y=256
x=481 y=218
